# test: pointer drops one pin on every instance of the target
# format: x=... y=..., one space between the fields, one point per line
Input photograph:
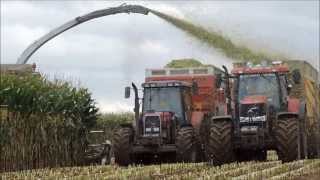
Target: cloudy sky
x=108 y=53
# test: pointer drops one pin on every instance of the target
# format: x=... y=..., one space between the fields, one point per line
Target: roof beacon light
x=276 y=63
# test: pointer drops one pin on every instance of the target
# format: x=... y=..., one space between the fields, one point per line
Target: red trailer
x=207 y=98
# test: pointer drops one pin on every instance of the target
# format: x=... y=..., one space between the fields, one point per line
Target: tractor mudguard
x=287 y=114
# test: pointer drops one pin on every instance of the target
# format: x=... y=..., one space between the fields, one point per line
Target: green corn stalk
x=48 y=122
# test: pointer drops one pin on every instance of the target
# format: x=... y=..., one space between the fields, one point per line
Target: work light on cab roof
x=249 y=68
x=165 y=84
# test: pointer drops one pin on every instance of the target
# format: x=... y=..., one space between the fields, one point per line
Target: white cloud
x=109 y=53
x=15 y=38
x=106 y=107
x=153 y=47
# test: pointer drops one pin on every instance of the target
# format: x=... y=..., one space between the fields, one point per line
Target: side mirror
x=218 y=80
x=195 y=88
x=127 y=92
x=296 y=76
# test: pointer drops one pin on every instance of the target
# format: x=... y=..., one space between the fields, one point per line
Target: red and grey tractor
x=162 y=131
x=259 y=116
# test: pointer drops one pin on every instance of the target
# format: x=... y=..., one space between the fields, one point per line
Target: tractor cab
x=259 y=94
x=260 y=89
x=166 y=106
x=169 y=98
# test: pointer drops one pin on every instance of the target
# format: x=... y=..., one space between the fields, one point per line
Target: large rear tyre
x=287 y=139
x=219 y=149
x=186 y=145
x=122 y=145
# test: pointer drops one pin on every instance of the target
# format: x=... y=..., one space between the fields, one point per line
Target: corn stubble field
x=271 y=169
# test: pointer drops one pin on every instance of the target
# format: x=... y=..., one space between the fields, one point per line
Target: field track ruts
x=302 y=169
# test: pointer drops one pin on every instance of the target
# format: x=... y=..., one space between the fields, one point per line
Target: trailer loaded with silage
x=309 y=92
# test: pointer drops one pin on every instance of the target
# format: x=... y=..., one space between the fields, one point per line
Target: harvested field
x=272 y=169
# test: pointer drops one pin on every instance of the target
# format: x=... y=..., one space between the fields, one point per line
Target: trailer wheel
x=219 y=148
x=186 y=145
x=122 y=145
x=287 y=139
x=312 y=144
x=303 y=142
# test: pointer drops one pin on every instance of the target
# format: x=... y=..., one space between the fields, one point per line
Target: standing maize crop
x=46 y=125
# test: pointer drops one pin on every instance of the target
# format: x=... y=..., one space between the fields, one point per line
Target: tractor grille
x=152 y=126
x=256 y=109
x=252 y=113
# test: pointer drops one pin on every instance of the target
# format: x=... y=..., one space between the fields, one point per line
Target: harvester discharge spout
x=32 y=48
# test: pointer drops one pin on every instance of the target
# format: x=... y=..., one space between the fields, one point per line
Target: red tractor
x=167 y=128
x=259 y=116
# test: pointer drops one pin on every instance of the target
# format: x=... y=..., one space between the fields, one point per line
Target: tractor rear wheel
x=122 y=145
x=219 y=149
x=186 y=145
x=287 y=139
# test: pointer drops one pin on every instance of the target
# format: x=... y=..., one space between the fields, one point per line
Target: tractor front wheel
x=287 y=138
x=186 y=145
x=219 y=149
x=122 y=145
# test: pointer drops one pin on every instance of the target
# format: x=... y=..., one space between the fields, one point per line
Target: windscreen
x=163 y=99
x=260 y=84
